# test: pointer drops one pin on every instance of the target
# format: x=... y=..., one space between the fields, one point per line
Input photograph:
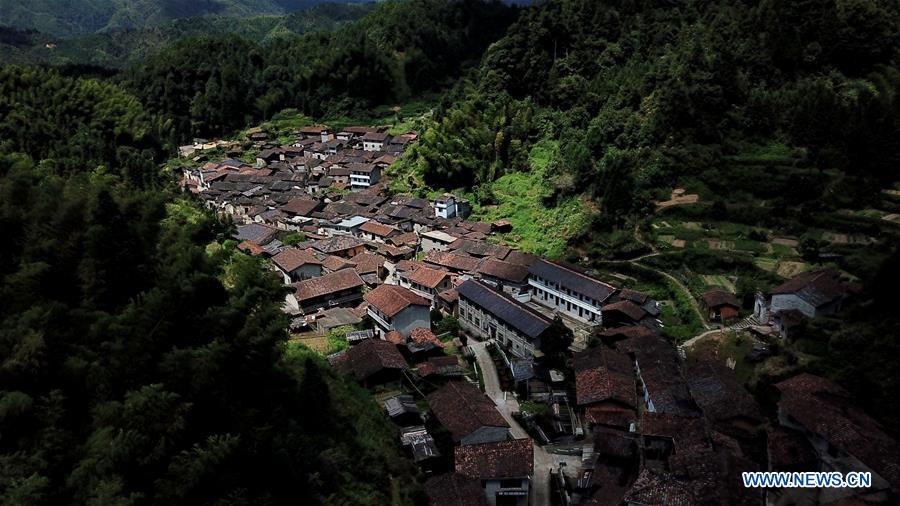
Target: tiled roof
x=300 y=206
x=572 y=279
x=391 y=299
x=603 y=374
x=428 y=277
x=330 y=283
x=422 y=336
x=505 y=271
x=378 y=229
x=291 y=259
x=371 y=356
x=368 y=262
x=716 y=298
x=512 y=312
x=336 y=244
x=826 y=409
x=462 y=408
x=497 y=460
x=627 y=308
x=335 y=263
x=453 y=489
x=718 y=392
x=452 y=261
x=816 y=287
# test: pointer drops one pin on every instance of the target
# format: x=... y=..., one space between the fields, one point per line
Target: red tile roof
x=603 y=374
x=428 y=277
x=497 y=460
x=463 y=409
x=378 y=229
x=452 y=261
x=422 y=336
x=291 y=259
x=391 y=299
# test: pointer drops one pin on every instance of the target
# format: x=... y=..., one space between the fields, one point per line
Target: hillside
x=82 y=17
x=701 y=144
x=119 y=49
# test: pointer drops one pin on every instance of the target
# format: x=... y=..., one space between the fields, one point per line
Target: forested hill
x=143 y=359
x=640 y=94
x=81 y=17
x=122 y=48
x=211 y=86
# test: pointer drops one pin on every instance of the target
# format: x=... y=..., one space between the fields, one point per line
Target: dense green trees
x=212 y=85
x=140 y=360
x=643 y=94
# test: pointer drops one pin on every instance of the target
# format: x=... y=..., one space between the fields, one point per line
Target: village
x=457 y=335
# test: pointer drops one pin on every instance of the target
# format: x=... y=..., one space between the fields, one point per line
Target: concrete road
x=507 y=405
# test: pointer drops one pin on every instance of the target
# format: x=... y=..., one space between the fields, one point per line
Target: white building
x=568 y=291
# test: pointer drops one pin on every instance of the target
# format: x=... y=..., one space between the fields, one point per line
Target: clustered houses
x=660 y=430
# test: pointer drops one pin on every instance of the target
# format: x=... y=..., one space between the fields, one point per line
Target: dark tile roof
x=336 y=244
x=631 y=310
x=603 y=374
x=460 y=263
x=505 y=271
x=462 y=408
x=497 y=460
x=256 y=233
x=372 y=356
x=512 y=312
x=330 y=283
x=816 y=287
x=826 y=409
x=572 y=279
x=300 y=206
x=718 y=298
x=718 y=392
x=453 y=489
x=391 y=299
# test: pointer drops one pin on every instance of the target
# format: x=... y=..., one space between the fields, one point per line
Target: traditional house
x=454 y=489
x=342 y=288
x=505 y=469
x=393 y=307
x=721 y=305
x=813 y=293
x=377 y=232
x=489 y=314
x=621 y=313
x=605 y=387
x=372 y=362
x=844 y=437
x=363 y=175
x=505 y=276
x=297 y=264
x=463 y=410
x=569 y=291
x=375 y=141
x=342 y=246
x=445 y=206
x=426 y=281
x=436 y=240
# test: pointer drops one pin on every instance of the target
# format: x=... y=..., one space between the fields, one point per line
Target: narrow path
x=507 y=405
